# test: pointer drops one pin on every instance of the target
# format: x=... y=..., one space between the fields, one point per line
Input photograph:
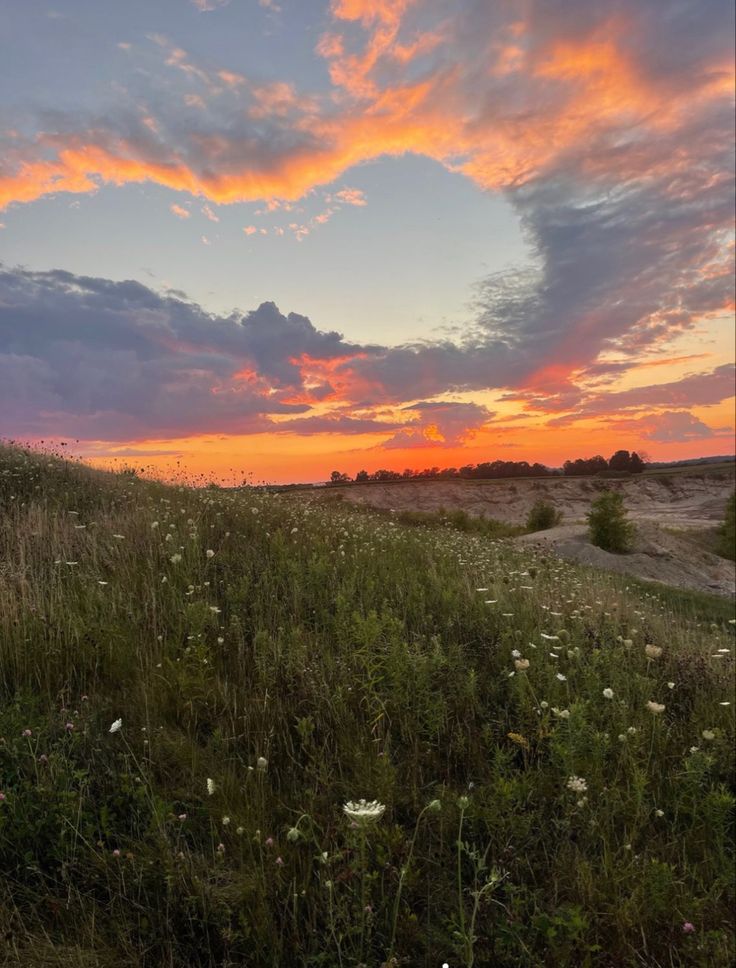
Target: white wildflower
x=577 y=784
x=210 y=786
x=116 y=726
x=363 y=812
x=655 y=707
x=608 y=693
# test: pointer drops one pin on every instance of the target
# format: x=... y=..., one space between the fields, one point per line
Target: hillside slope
x=198 y=687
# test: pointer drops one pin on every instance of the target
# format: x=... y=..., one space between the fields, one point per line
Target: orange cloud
x=570 y=91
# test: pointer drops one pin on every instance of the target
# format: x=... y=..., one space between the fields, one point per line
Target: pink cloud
x=351 y=196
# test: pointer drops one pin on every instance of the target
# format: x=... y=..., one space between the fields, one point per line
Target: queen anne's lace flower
x=364 y=812
x=116 y=726
x=577 y=784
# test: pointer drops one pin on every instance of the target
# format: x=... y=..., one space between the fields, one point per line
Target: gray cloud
x=116 y=360
x=628 y=219
x=695 y=390
x=440 y=423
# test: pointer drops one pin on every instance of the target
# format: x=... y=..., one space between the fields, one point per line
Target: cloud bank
x=608 y=127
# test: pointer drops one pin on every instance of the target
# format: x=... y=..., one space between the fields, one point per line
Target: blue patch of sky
x=395 y=269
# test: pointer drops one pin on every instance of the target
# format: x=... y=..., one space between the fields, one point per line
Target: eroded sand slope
x=671 y=512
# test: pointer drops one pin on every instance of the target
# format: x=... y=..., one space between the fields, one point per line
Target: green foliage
x=460 y=520
x=608 y=525
x=543 y=516
x=301 y=655
x=727 y=531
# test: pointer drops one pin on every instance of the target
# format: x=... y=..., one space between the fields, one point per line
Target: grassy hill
x=555 y=792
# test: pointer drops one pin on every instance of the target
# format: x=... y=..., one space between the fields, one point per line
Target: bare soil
x=672 y=514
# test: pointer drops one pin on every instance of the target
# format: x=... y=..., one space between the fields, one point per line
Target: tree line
x=622 y=462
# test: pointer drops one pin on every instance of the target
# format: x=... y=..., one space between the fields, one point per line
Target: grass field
x=553 y=747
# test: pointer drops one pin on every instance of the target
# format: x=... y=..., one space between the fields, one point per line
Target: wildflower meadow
x=246 y=728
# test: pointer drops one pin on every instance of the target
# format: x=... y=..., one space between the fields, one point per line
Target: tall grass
x=298 y=657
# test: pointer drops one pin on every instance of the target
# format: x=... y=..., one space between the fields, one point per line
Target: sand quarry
x=675 y=513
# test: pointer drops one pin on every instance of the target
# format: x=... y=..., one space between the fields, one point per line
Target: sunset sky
x=288 y=236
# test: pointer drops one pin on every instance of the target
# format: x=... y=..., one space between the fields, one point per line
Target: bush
x=542 y=516
x=609 y=527
x=727 y=531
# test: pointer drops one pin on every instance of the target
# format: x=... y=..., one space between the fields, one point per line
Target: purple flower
x=688 y=928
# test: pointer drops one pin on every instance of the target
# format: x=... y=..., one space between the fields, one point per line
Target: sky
x=267 y=239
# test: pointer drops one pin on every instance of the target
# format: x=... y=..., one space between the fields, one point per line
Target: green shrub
x=542 y=516
x=727 y=531
x=609 y=527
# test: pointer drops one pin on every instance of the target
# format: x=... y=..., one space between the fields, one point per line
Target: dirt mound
x=659 y=554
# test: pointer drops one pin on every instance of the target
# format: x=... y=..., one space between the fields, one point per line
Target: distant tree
x=636 y=464
x=597 y=464
x=608 y=523
x=337 y=477
x=361 y=476
x=620 y=461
